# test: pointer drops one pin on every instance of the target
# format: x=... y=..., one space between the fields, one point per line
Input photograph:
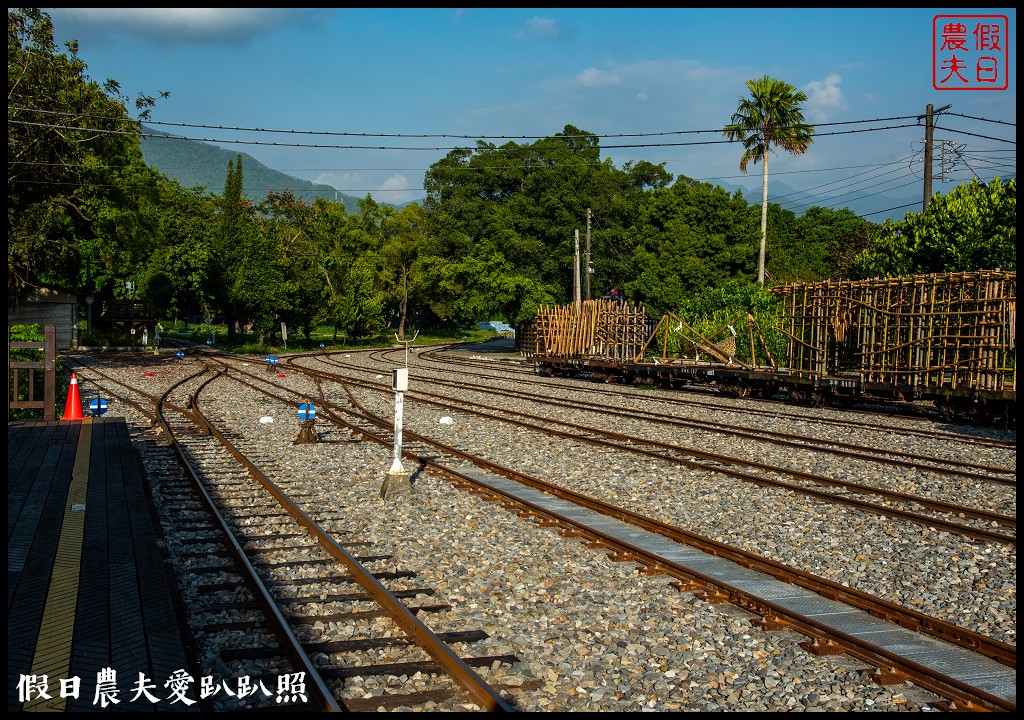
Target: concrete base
x=395 y=485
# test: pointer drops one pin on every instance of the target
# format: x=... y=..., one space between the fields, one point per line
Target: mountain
x=193 y=162
x=876 y=209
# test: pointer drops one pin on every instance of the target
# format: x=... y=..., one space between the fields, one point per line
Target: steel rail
x=801 y=442
x=1001 y=652
x=290 y=644
x=941 y=684
x=988 y=442
x=939 y=505
x=906 y=617
x=954 y=527
x=843 y=449
x=445 y=658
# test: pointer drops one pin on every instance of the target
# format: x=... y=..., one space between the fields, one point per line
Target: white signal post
x=400 y=383
x=396 y=482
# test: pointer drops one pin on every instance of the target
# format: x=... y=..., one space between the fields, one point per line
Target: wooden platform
x=87 y=591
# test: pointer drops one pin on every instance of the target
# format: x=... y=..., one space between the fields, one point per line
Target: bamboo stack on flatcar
x=606 y=329
x=951 y=333
x=948 y=338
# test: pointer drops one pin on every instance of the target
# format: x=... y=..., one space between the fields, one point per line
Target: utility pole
x=588 y=253
x=576 y=271
x=929 y=115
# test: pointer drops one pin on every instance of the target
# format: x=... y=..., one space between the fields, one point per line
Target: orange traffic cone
x=73 y=407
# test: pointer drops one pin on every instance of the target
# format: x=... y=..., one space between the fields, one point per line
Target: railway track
x=780 y=410
x=256 y=566
x=427 y=454
x=890 y=666
x=896 y=504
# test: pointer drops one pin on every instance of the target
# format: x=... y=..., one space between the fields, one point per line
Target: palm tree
x=771 y=116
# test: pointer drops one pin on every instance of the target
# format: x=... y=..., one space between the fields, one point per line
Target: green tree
x=771 y=116
x=75 y=173
x=358 y=308
x=261 y=290
x=974 y=227
x=302 y=253
x=686 y=238
x=819 y=244
x=523 y=205
x=350 y=267
x=176 y=274
x=232 y=229
x=468 y=289
x=404 y=240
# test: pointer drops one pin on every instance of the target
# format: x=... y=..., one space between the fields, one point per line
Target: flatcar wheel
x=843 y=401
x=952 y=411
x=736 y=390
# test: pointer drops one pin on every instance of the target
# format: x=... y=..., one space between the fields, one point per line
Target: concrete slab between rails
x=502 y=347
x=969 y=667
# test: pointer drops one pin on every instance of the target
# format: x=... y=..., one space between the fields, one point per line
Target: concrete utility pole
x=588 y=253
x=929 y=115
x=576 y=271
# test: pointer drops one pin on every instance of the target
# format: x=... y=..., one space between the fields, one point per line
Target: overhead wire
x=782 y=200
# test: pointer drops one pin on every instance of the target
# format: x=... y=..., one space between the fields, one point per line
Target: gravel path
x=596 y=634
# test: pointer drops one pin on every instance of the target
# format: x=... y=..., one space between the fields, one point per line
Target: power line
x=783 y=200
x=983 y=137
x=413 y=148
x=973 y=117
x=848 y=178
x=331 y=133
x=898 y=207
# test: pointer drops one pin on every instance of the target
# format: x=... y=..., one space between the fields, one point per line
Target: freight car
x=948 y=339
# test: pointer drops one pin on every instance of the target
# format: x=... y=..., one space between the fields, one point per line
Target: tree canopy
x=74 y=167
x=973 y=227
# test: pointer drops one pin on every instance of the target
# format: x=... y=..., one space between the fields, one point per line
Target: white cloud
x=397 y=181
x=538 y=27
x=824 y=97
x=390 y=190
x=592 y=77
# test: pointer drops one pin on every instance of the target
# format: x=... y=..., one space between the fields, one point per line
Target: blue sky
x=645 y=78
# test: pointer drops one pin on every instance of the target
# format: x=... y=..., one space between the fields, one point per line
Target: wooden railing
x=48 y=367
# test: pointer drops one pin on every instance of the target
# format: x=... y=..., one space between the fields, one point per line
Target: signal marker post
x=307 y=419
x=396 y=482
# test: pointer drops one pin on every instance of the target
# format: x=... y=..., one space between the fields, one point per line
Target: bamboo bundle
x=948 y=330
x=605 y=329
